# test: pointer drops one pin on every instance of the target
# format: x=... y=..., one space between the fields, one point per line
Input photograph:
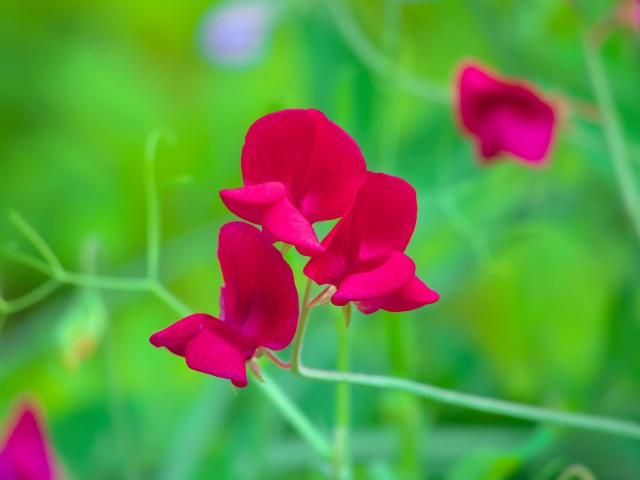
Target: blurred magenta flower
x=258 y=308
x=504 y=116
x=26 y=453
x=236 y=34
x=364 y=256
x=298 y=168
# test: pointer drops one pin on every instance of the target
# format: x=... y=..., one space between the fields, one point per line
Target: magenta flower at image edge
x=298 y=168
x=364 y=253
x=504 y=117
x=258 y=309
x=25 y=452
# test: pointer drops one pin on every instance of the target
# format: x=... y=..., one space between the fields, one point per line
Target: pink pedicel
x=504 y=117
x=298 y=168
x=258 y=308
x=364 y=253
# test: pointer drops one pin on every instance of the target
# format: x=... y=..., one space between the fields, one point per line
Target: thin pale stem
x=296 y=349
x=31 y=298
x=576 y=472
x=483 y=404
x=96 y=281
x=613 y=133
x=341 y=461
x=28 y=260
x=364 y=49
x=169 y=298
x=153 y=205
x=29 y=232
x=296 y=418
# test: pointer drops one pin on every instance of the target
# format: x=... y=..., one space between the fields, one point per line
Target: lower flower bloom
x=364 y=253
x=26 y=453
x=258 y=308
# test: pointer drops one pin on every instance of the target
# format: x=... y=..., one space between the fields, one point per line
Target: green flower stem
x=576 y=472
x=341 y=455
x=362 y=47
x=296 y=418
x=37 y=241
x=153 y=202
x=296 y=349
x=613 y=132
x=170 y=299
x=483 y=404
x=28 y=299
x=97 y=281
x=28 y=260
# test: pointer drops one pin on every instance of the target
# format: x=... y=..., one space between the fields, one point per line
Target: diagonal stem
x=613 y=133
x=341 y=467
x=483 y=404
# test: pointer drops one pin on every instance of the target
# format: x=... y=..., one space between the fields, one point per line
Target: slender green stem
x=31 y=298
x=296 y=349
x=341 y=456
x=170 y=299
x=296 y=418
x=97 y=281
x=362 y=47
x=613 y=133
x=483 y=404
x=576 y=472
x=28 y=260
x=153 y=205
x=37 y=241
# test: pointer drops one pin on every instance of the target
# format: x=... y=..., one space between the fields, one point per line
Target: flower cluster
x=300 y=168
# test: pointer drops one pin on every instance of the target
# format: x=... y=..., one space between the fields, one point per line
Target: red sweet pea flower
x=364 y=256
x=504 y=117
x=26 y=454
x=258 y=308
x=298 y=168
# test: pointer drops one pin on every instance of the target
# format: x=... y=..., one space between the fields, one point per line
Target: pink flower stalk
x=25 y=453
x=258 y=308
x=298 y=168
x=364 y=253
x=504 y=116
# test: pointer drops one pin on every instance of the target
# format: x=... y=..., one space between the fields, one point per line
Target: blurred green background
x=537 y=269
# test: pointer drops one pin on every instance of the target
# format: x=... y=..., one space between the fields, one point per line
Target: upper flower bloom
x=298 y=168
x=364 y=256
x=505 y=117
x=25 y=454
x=258 y=308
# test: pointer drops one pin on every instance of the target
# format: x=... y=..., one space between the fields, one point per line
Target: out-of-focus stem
x=296 y=349
x=613 y=132
x=341 y=455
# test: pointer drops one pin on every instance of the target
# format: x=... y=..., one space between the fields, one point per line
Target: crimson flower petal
x=375 y=277
x=176 y=336
x=364 y=255
x=214 y=351
x=381 y=219
x=413 y=295
x=259 y=299
x=248 y=202
x=26 y=454
x=266 y=204
x=320 y=165
x=504 y=116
